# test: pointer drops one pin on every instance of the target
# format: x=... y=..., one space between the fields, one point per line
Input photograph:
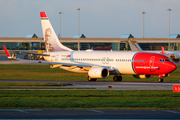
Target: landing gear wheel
x=160 y=79
x=117 y=78
x=91 y=79
x=120 y=78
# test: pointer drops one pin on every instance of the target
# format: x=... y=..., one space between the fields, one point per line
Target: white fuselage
x=120 y=60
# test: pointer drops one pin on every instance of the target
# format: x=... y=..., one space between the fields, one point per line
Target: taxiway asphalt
x=89 y=114
x=106 y=84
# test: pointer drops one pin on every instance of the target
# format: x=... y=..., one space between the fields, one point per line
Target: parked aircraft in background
x=101 y=64
x=174 y=55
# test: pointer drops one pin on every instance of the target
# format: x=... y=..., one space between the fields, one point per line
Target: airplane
x=174 y=55
x=101 y=64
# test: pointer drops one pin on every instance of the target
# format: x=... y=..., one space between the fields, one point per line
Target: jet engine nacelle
x=98 y=72
x=142 y=76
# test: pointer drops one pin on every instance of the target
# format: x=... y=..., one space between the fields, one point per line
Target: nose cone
x=171 y=67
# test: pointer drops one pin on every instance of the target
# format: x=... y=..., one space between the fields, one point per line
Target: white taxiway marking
x=96 y=111
x=22 y=111
x=172 y=111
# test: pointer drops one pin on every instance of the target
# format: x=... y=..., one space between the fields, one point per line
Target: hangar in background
x=31 y=36
x=116 y=44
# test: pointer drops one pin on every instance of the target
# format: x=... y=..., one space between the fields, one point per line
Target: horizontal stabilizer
x=34 y=53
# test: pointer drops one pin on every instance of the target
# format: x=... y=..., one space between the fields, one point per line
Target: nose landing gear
x=160 y=79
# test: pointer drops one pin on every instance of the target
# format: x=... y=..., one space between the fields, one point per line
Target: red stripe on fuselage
x=150 y=64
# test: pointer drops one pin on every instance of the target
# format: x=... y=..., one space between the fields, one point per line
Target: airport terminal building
x=32 y=42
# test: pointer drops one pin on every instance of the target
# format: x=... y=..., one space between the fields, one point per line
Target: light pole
x=143 y=22
x=169 y=29
x=78 y=29
x=60 y=23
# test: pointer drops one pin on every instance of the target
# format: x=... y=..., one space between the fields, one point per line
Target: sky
x=98 y=18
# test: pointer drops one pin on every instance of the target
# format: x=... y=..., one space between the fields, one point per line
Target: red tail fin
x=51 y=41
x=43 y=15
x=7 y=53
x=163 y=52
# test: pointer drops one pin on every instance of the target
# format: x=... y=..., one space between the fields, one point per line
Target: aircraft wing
x=110 y=68
x=57 y=63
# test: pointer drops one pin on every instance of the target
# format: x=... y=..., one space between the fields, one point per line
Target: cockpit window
x=167 y=60
x=164 y=60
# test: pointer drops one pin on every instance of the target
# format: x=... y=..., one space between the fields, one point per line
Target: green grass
x=90 y=99
x=42 y=88
x=17 y=85
x=44 y=72
x=32 y=84
x=36 y=72
x=78 y=99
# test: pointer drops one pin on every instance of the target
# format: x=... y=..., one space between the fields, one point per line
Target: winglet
x=43 y=15
x=163 y=52
x=7 y=53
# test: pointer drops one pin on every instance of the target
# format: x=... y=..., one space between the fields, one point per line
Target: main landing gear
x=117 y=78
x=91 y=79
x=160 y=79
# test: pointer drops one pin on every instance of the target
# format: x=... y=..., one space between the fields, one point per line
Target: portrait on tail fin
x=52 y=43
x=48 y=46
